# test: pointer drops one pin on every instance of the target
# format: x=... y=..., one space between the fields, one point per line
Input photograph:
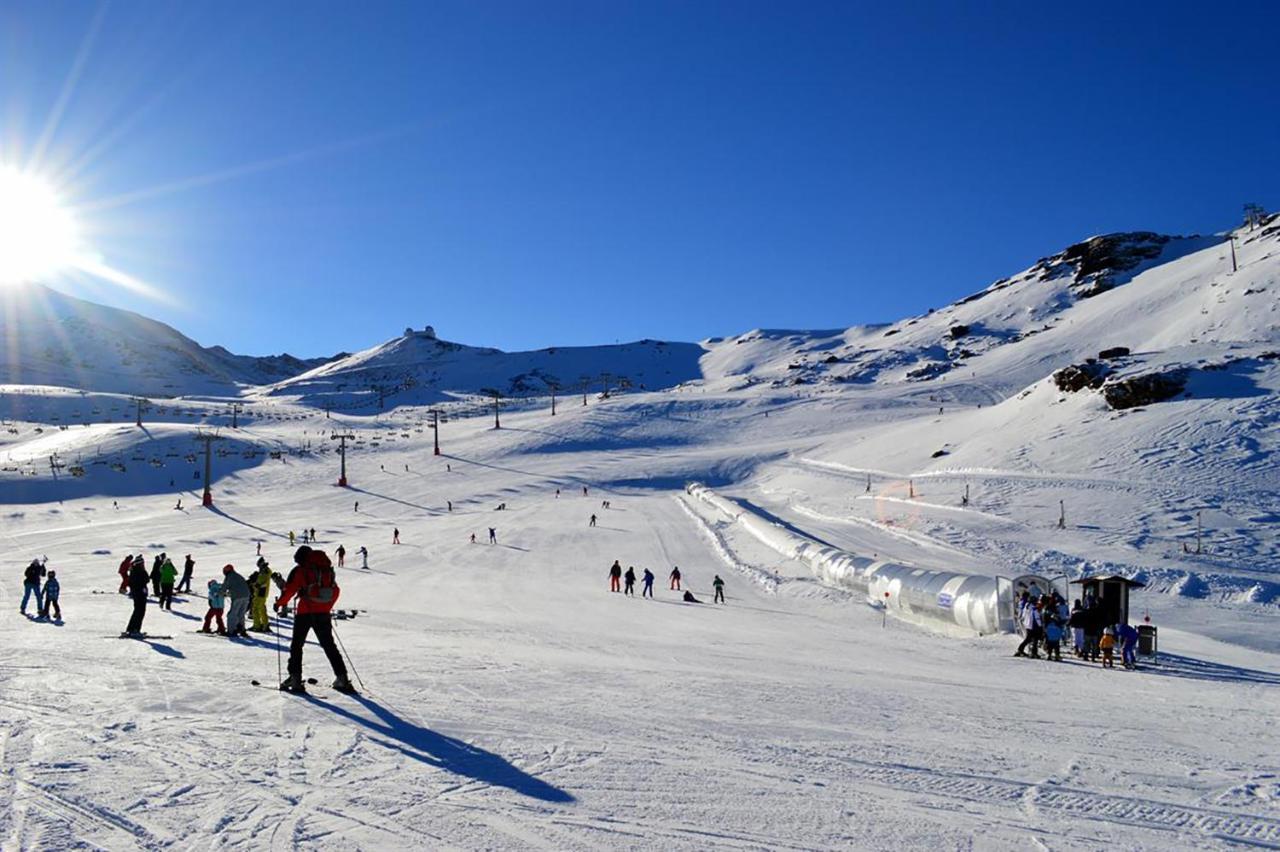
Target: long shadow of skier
x=234 y=519
x=419 y=506
x=452 y=755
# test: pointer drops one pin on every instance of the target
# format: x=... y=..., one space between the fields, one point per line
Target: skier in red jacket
x=124 y=573
x=313 y=583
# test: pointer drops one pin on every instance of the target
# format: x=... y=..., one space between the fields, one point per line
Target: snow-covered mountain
x=50 y=338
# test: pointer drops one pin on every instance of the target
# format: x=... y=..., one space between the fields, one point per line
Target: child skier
x=364 y=557
x=51 y=590
x=215 y=609
x=1108 y=645
x=1053 y=633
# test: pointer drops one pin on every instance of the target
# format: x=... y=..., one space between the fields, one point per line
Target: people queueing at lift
x=1046 y=619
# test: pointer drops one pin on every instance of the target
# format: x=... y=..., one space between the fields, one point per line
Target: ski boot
x=293 y=684
x=343 y=684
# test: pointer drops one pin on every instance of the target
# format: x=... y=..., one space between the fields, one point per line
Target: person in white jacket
x=1032 y=630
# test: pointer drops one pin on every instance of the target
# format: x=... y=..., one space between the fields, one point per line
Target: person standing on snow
x=647 y=592
x=1032 y=629
x=313 y=533
x=237 y=589
x=138 y=582
x=630 y=578
x=364 y=557
x=291 y=538
x=155 y=574
x=342 y=555
x=719 y=587
x=188 y=568
x=123 y=571
x=52 y=589
x=395 y=536
x=215 y=609
x=615 y=575
x=313 y=583
x=167 y=575
x=259 y=588
x=1126 y=633
x=592 y=522
x=31 y=584
x=675 y=578
x=493 y=535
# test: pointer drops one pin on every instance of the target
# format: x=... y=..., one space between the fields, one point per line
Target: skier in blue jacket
x=215 y=609
x=1128 y=635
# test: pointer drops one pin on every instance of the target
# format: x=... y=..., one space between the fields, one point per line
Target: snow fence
x=963 y=604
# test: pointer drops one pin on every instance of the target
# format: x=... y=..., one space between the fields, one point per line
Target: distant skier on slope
x=215 y=609
x=188 y=568
x=312 y=581
x=689 y=598
x=615 y=575
x=719 y=587
x=493 y=535
x=675 y=578
x=648 y=578
x=342 y=555
x=237 y=589
x=395 y=536
x=31 y=584
x=138 y=583
x=630 y=581
x=592 y=522
x=364 y=557
x=291 y=538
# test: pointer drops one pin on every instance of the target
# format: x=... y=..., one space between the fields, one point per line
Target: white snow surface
x=511 y=701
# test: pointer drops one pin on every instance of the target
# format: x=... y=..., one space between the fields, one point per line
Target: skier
x=138 y=582
x=364 y=557
x=155 y=574
x=592 y=522
x=395 y=536
x=342 y=555
x=493 y=535
x=215 y=609
x=237 y=589
x=1126 y=633
x=51 y=590
x=615 y=573
x=473 y=538
x=167 y=575
x=179 y=506
x=719 y=587
x=313 y=534
x=647 y=592
x=675 y=578
x=313 y=583
x=1053 y=633
x=1076 y=622
x=123 y=571
x=259 y=553
x=689 y=598
x=450 y=502
x=31 y=584
x=188 y=568
x=1108 y=644
x=291 y=539
x=1031 y=631
x=305 y=537
x=357 y=505
x=557 y=493
x=259 y=588
x=584 y=491
x=630 y=578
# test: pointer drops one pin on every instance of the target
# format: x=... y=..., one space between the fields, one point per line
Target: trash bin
x=1147 y=640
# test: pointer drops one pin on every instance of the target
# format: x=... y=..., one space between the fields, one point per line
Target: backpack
x=319 y=586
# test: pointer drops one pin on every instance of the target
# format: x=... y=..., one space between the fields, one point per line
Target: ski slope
x=511 y=701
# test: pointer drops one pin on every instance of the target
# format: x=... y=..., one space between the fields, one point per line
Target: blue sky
x=314 y=177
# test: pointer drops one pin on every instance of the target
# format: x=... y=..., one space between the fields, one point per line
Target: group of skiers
x=1046 y=618
x=617 y=579
x=47 y=597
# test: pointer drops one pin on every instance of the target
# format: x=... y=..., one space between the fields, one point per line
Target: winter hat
x=1110 y=631
x=300 y=555
x=52 y=574
x=227 y=569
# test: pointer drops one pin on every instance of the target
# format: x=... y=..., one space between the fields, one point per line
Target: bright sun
x=38 y=234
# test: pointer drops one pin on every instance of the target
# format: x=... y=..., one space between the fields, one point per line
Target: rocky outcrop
x=1145 y=389
x=1077 y=377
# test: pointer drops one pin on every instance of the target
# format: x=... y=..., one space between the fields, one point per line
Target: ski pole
x=348 y=656
x=279 y=674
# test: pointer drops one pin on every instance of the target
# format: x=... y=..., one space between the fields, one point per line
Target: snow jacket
x=260 y=582
x=1030 y=618
x=123 y=570
x=630 y=576
x=32 y=575
x=139 y=582
x=717 y=582
x=1107 y=643
x=215 y=595
x=615 y=570
x=1127 y=633
x=304 y=581
x=235 y=586
x=1053 y=632
x=168 y=573
x=188 y=567
x=648 y=577
x=53 y=587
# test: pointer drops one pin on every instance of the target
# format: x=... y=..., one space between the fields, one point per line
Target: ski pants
x=631 y=588
x=648 y=591
x=719 y=595
x=1130 y=653
x=185 y=584
x=166 y=596
x=139 y=612
x=258 y=608
x=1091 y=648
x=29 y=589
x=235 y=617
x=1033 y=639
x=322 y=624
x=1077 y=633
x=52 y=601
x=211 y=615
x=675 y=583
x=613 y=584
x=1053 y=650
x=124 y=584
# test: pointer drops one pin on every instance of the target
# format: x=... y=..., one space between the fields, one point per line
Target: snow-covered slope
x=50 y=338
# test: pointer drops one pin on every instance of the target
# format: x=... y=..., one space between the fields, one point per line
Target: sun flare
x=38 y=235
